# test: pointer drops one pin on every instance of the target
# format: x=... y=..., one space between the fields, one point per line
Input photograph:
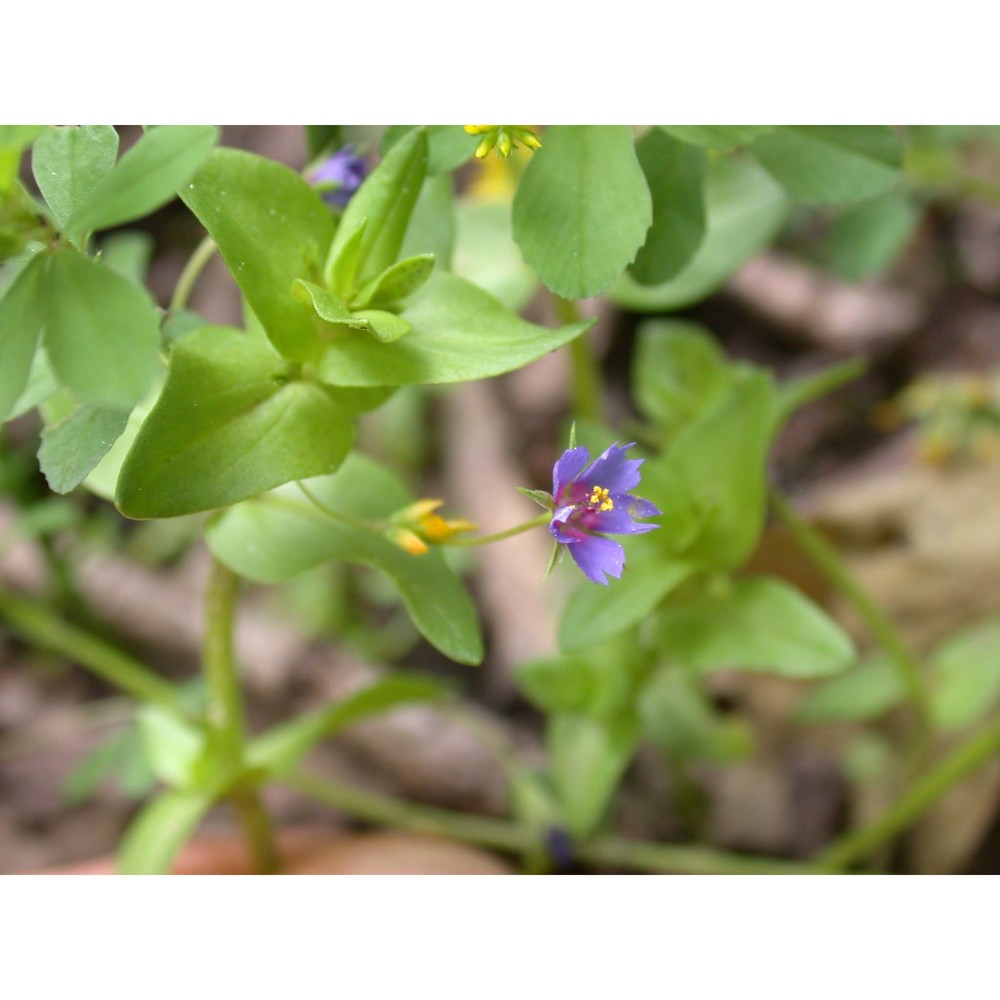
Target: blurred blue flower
x=594 y=501
x=339 y=176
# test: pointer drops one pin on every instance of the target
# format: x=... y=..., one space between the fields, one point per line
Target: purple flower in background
x=339 y=176
x=593 y=502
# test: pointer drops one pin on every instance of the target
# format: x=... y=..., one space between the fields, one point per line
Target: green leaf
x=745 y=209
x=675 y=173
x=68 y=162
x=386 y=200
x=760 y=623
x=282 y=747
x=448 y=146
x=326 y=305
x=556 y=683
x=146 y=177
x=861 y=694
x=156 y=835
x=718 y=137
x=271 y=228
x=798 y=392
x=966 y=676
x=128 y=254
x=229 y=424
x=14 y=139
x=594 y=614
x=102 y=332
x=678 y=371
x=582 y=208
x=395 y=283
x=432 y=224
x=721 y=457
x=869 y=237
x=678 y=720
x=832 y=163
x=589 y=758
x=459 y=333
x=175 y=748
x=486 y=254
x=22 y=316
x=73 y=447
x=322 y=139
x=275 y=537
x=385 y=327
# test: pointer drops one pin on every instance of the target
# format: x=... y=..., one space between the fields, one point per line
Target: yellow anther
x=600 y=496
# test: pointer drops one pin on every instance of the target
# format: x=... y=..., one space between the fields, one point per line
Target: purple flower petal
x=562 y=529
x=567 y=468
x=598 y=556
x=619 y=522
x=613 y=471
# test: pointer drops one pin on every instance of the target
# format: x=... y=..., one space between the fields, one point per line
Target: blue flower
x=339 y=176
x=593 y=502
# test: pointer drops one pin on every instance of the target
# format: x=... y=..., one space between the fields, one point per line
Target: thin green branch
x=585 y=374
x=506 y=835
x=829 y=562
x=499 y=536
x=192 y=271
x=40 y=626
x=968 y=757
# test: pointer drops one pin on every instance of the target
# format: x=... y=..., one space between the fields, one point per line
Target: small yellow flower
x=504 y=137
x=414 y=526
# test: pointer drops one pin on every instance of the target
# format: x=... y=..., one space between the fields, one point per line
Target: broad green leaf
x=432 y=224
x=448 y=146
x=72 y=448
x=678 y=370
x=102 y=332
x=395 y=283
x=146 y=177
x=68 y=162
x=761 y=623
x=745 y=209
x=678 y=720
x=589 y=758
x=174 y=747
x=271 y=228
x=719 y=137
x=675 y=173
x=128 y=254
x=13 y=140
x=594 y=614
x=386 y=201
x=869 y=237
x=459 y=333
x=229 y=424
x=582 y=208
x=156 y=835
x=281 y=748
x=103 y=479
x=797 y=392
x=862 y=694
x=42 y=383
x=22 y=316
x=721 y=457
x=966 y=676
x=275 y=537
x=340 y=272
x=832 y=163
x=486 y=254
x=556 y=683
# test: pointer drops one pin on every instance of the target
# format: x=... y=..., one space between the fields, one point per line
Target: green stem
x=225 y=712
x=968 y=757
x=505 y=835
x=832 y=566
x=38 y=625
x=335 y=515
x=192 y=271
x=585 y=375
x=518 y=529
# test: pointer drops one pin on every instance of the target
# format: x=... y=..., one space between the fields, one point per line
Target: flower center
x=601 y=499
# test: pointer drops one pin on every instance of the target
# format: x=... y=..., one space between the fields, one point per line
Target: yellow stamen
x=602 y=497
